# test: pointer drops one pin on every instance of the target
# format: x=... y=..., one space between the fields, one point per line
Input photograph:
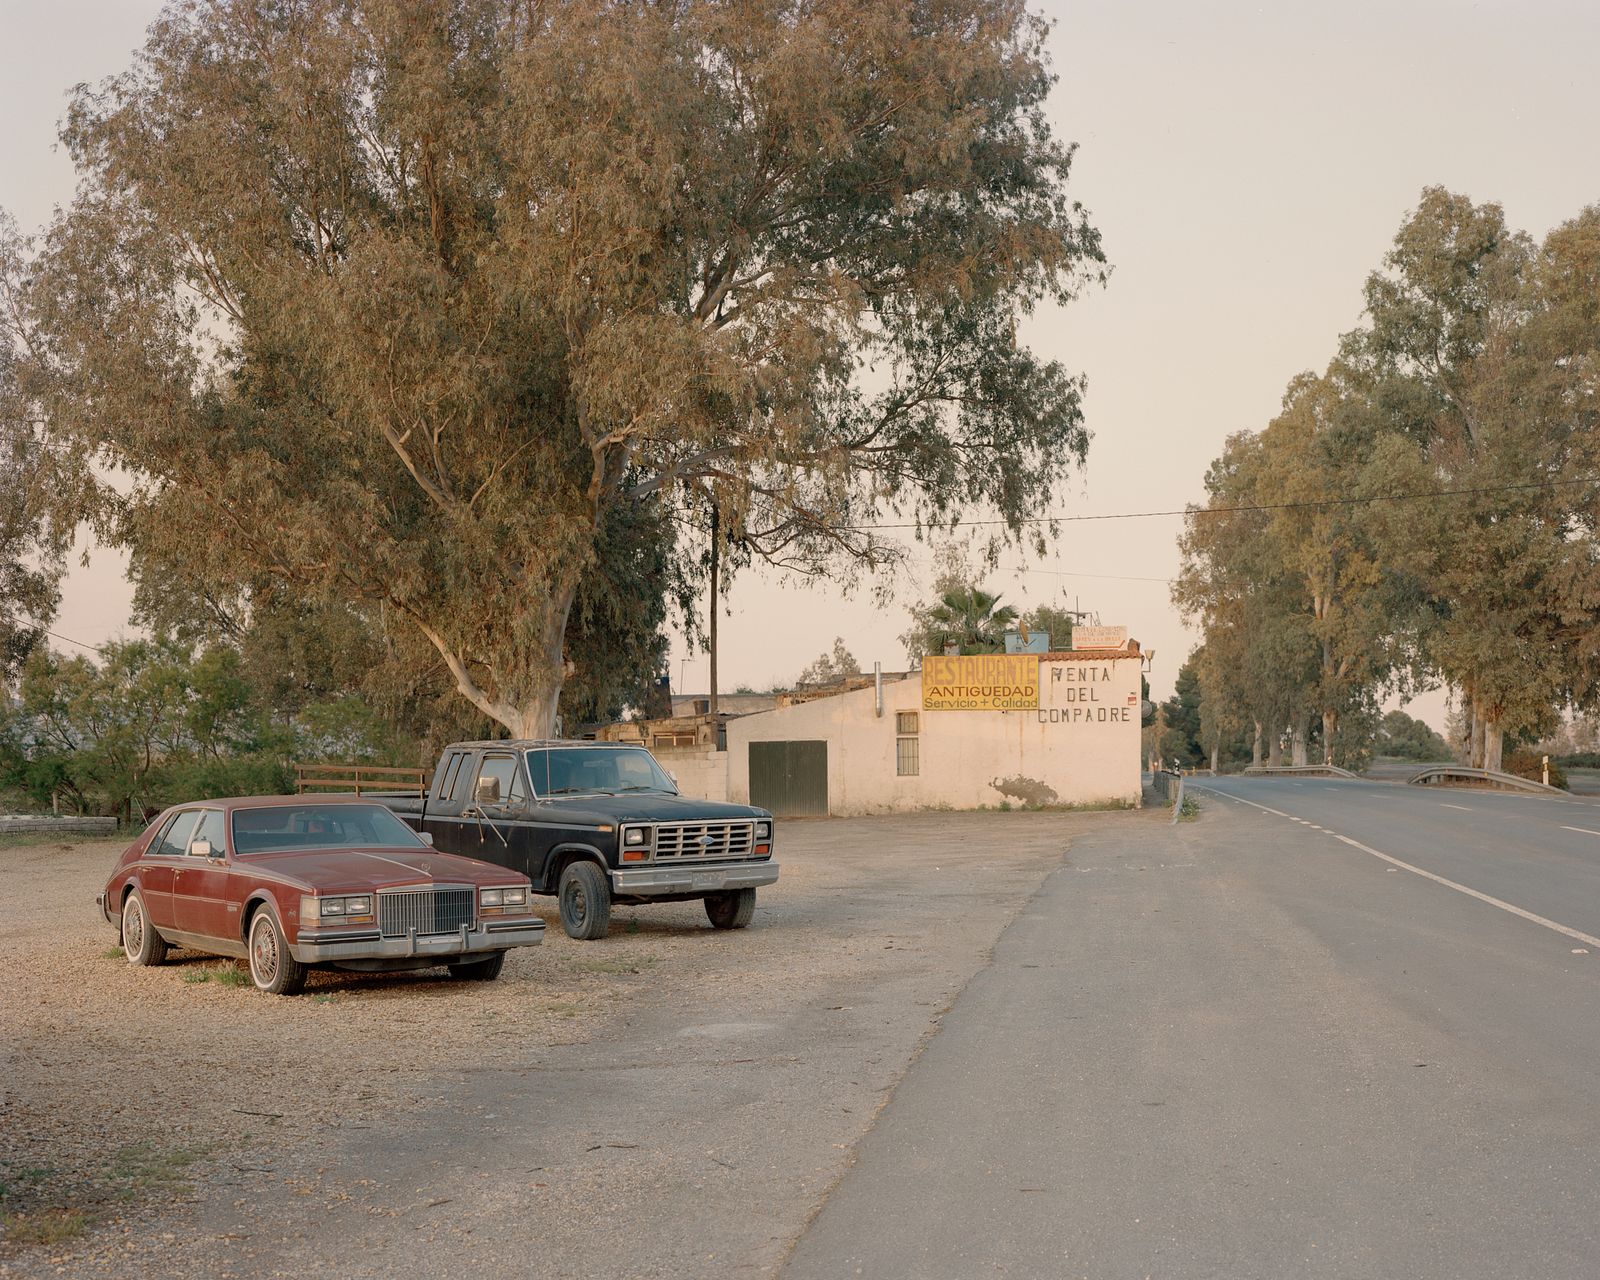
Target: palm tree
x=973 y=619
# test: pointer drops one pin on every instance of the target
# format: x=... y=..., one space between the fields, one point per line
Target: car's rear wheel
x=585 y=900
x=272 y=968
x=485 y=970
x=731 y=909
x=140 y=942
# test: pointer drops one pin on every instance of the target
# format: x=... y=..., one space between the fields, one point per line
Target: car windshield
x=565 y=771
x=279 y=828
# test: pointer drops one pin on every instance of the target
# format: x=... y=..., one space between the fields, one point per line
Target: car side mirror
x=488 y=791
x=426 y=837
x=200 y=848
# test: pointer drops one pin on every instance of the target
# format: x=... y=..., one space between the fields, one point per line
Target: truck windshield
x=566 y=771
x=280 y=828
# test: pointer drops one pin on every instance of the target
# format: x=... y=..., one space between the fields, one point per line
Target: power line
x=56 y=635
x=1112 y=577
x=1256 y=506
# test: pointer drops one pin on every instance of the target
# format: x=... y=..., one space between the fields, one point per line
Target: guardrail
x=1463 y=773
x=363 y=779
x=1303 y=770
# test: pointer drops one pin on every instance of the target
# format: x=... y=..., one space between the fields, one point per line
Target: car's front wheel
x=731 y=909
x=272 y=968
x=585 y=900
x=140 y=942
x=485 y=970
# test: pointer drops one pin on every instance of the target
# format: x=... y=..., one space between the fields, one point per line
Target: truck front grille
x=423 y=911
x=699 y=840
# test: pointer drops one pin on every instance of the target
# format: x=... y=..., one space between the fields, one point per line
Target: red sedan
x=291 y=882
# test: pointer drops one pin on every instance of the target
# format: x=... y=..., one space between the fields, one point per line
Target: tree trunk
x=1299 y=742
x=529 y=698
x=1255 y=748
x=1475 y=738
x=1330 y=722
x=1213 y=757
x=1493 y=744
x=1275 y=748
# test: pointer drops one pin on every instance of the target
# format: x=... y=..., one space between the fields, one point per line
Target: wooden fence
x=363 y=779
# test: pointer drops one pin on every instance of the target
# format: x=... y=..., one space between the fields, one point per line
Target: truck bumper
x=368 y=944
x=645 y=881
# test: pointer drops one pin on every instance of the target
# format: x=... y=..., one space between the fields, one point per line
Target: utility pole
x=716 y=550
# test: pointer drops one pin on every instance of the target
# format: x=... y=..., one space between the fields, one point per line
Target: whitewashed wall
x=701 y=771
x=1082 y=742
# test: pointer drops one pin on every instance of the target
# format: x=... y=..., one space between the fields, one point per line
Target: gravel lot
x=172 y=1121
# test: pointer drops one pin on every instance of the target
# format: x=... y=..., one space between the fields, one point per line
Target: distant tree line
x=1324 y=576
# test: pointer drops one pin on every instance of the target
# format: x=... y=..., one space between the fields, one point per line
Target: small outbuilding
x=1026 y=729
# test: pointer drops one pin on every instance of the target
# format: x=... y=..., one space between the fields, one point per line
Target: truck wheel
x=485 y=970
x=732 y=908
x=585 y=901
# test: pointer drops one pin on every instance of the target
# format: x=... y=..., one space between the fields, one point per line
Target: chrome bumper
x=645 y=881
x=320 y=946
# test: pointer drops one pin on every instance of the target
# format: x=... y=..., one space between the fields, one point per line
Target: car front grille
x=422 y=911
x=700 y=840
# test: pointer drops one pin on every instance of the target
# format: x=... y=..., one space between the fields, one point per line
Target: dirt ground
x=143 y=1109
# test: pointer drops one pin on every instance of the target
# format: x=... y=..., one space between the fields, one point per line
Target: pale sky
x=1247 y=164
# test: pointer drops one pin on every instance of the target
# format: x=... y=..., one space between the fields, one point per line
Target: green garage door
x=790 y=778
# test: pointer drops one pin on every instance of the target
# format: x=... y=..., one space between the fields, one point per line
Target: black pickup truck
x=595 y=823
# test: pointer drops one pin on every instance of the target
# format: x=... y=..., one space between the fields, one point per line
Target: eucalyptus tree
x=31 y=545
x=399 y=302
x=1236 y=583
x=1484 y=347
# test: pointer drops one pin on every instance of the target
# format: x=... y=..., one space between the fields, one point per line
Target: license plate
x=439 y=940
x=708 y=882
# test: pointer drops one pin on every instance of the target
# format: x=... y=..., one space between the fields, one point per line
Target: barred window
x=907 y=757
x=905 y=722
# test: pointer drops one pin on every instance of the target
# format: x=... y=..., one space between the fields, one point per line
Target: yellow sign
x=981 y=682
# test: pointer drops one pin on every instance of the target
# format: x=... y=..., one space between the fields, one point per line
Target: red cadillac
x=294 y=882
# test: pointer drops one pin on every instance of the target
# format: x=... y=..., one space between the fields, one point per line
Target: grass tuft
x=45 y=1227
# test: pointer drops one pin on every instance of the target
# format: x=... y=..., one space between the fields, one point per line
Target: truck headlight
x=635 y=837
x=763 y=831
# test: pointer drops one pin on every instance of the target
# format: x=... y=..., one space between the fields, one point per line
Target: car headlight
x=635 y=837
x=763 y=831
x=315 y=909
x=507 y=898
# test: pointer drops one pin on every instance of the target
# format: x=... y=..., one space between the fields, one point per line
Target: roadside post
x=1547 y=771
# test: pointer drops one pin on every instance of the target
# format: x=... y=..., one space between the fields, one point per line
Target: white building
x=1054 y=728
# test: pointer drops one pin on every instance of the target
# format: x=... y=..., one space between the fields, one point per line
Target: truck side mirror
x=488 y=791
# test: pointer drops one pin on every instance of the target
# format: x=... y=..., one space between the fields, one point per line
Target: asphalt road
x=1329 y=1029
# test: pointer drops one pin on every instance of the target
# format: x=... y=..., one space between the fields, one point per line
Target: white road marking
x=1462 y=807
x=1515 y=910
x=1585 y=830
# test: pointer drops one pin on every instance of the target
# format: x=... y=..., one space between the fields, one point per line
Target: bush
x=1530 y=765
